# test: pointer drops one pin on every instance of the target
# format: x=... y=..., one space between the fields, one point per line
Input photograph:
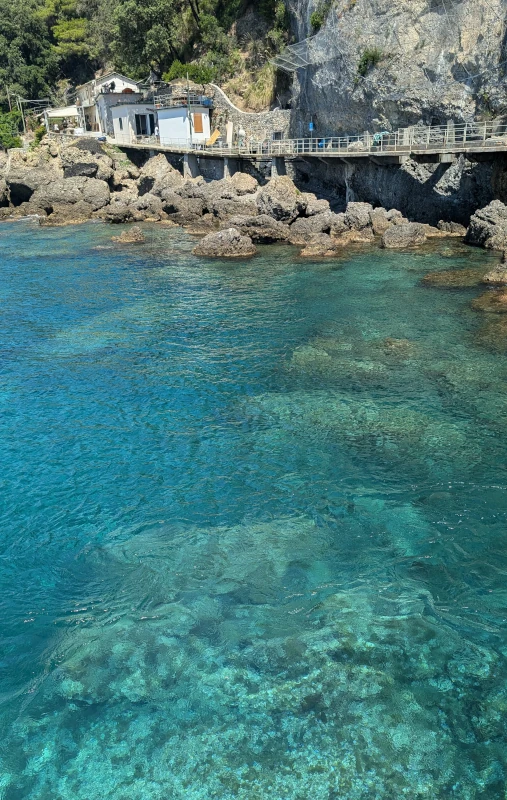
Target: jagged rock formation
x=384 y=64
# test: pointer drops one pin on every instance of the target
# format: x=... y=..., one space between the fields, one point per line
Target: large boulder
x=243 y=183
x=312 y=205
x=381 y=220
x=280 y=199
x=261 y=229
x=193 y=188
x=357 y=216
x=72 y=190
x=157 y=175
x=408 y=234
x=187 y=209
x=339 y=226
x=229 y=243
x=488 y=227
x=149 y=206
x=78 y=162
x=304 y=227
x=67 y=214
x=224 y=208
x=22 y=183
x=321 y=245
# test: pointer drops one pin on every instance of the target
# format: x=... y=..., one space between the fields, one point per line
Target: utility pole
x=20 y=107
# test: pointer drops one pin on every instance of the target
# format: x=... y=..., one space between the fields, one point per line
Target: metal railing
x=179 y=99
x=449 y=138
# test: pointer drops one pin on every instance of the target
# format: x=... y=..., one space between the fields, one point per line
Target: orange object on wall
x=198 y=126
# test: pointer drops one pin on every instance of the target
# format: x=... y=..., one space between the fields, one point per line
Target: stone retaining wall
x=256 y=126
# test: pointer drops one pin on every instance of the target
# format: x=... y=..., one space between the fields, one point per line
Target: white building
x=98 y=96
x=183 y=118
x=133 y=120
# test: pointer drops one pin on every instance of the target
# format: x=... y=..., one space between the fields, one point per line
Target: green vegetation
x=47 y=47
x=319 y=16
x=9 y=129
x=370 y=58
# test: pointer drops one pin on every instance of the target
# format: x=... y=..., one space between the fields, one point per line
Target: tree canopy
x=47 y=46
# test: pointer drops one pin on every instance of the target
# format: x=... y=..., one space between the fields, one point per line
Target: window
x=277 y=135
x=120 y=122
x=198 y=125
x=152 y=124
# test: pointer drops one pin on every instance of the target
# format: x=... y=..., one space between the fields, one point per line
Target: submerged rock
x=492 y=335
x=228 y=243
x=498 y=275
x=132 y=235
x=494 y=302
x=454 y=278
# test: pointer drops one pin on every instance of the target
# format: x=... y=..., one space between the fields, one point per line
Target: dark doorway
x=141 y=128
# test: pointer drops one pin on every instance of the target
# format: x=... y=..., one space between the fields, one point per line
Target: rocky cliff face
x=384 y=64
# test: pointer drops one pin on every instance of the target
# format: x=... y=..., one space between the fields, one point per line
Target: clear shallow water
x=253 y=524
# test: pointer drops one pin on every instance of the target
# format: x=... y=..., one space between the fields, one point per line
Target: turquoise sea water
x=253 y=533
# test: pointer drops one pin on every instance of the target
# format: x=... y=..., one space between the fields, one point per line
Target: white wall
x=174 y=125
x=119 y=83
x=127 y=114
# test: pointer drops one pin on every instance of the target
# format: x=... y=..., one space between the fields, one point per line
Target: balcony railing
x=182 y=99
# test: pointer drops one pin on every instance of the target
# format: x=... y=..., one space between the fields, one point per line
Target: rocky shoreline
x=75 y=181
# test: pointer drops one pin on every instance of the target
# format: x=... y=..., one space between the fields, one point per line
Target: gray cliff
x=436 y=60
x=433 y=61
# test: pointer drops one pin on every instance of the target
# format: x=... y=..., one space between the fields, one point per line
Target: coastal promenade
x=441 y=143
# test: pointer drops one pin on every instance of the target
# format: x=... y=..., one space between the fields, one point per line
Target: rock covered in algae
x=363 y=696
x=454 y=278
x=498 y=274
x=391 y=432
x=361 y=360
x=494 y=302
x=492 y=335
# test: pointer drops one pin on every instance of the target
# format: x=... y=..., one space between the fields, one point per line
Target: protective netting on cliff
x=382 y=33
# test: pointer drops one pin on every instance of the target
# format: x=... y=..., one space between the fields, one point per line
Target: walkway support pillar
x=231 y=165
x=278 y=166
x=190 y=166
